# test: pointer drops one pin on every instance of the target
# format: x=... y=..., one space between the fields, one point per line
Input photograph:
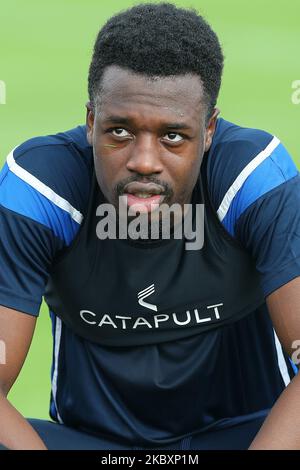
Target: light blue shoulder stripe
x=272 y=172
x=20 y=197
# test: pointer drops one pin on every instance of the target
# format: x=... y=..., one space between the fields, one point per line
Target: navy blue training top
x=254 y=188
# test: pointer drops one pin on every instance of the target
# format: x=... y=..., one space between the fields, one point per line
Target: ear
x=210 y=129
x=90 y=117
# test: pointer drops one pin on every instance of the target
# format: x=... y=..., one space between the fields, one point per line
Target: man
x=155 y=346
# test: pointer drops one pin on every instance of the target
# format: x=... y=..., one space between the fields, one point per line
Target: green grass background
x=45 y=49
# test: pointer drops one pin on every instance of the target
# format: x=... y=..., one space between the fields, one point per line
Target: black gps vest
x=127 y=293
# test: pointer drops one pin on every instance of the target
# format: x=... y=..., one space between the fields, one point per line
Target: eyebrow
x=117 y=120
x=114 y=119
x=177 y=125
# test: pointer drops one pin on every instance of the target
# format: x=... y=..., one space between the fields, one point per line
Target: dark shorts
x=60 y=437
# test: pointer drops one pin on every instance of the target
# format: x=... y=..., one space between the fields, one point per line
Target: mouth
x=143 y=197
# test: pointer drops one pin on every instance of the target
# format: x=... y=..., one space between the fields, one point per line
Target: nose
x=144 y=157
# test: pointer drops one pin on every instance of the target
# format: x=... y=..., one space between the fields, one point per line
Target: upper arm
x=284 y=308
x=270 y=230
x=258 y=203
x=37 y=219
x=41 y=200
x=16 y=331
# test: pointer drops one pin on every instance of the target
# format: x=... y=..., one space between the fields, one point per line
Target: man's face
x=149 y=137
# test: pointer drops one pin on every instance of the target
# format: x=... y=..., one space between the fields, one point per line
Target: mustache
x=119 y=187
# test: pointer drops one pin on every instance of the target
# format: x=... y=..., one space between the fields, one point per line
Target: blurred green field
x=45 y=49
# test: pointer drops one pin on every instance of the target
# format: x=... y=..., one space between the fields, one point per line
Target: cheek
x=109 y=167
x=187 y=174
x=104 y=171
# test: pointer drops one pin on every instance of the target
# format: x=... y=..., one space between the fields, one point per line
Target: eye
x=173 y=137
x=119 y=132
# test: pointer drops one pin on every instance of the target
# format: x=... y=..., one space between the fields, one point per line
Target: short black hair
x=159 y=40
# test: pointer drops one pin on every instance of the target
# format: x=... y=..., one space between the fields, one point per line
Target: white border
x=56 y=354
x=281 y=361
x=239 y=181
x=42 y=188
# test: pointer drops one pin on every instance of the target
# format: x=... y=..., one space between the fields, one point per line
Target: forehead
x=180 y=95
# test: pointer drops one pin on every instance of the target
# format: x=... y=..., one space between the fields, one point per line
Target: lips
x=143 y=188
x=145 y=197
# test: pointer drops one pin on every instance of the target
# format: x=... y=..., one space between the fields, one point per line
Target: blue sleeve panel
x=44 y=188
x=255 y=188
x=270 y=229
x=26 y=251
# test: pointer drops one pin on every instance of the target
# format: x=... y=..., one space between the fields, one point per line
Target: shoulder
x=61 y=162
x=47 y=180
x=243 y=165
